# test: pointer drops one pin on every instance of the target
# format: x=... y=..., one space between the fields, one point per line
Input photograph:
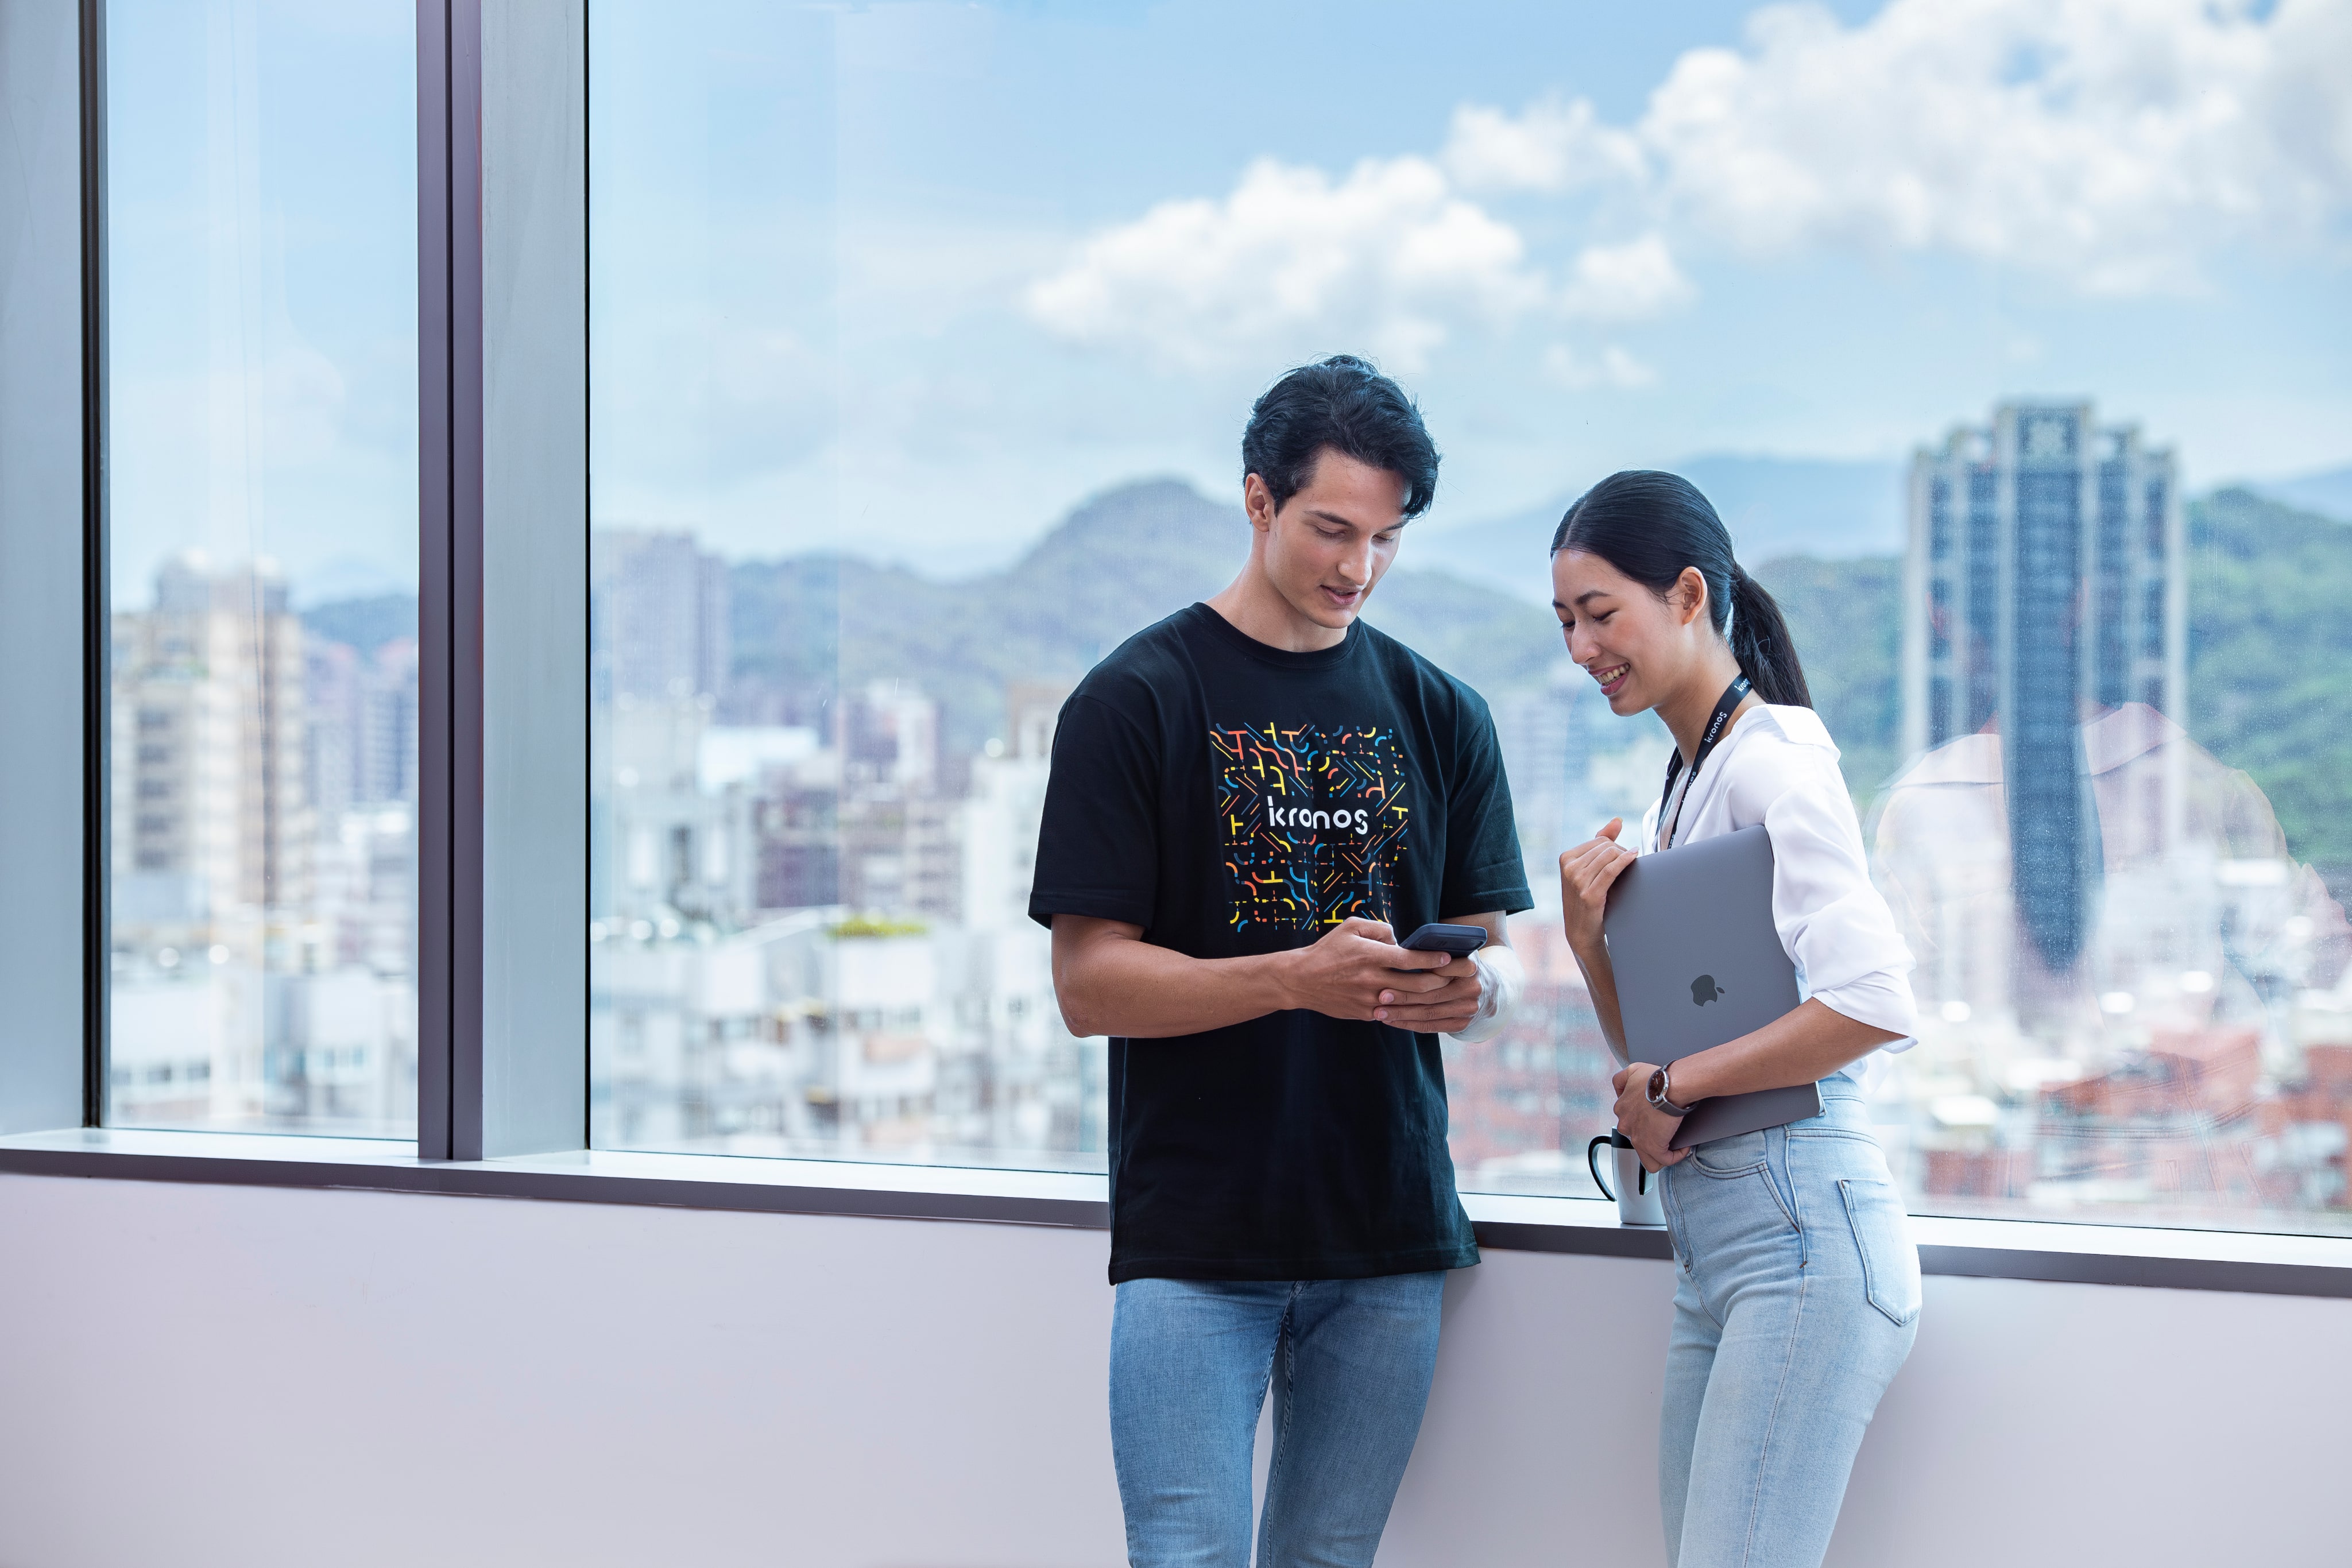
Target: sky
x=913 y=279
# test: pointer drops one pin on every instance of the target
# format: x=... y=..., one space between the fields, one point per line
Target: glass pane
x=262 y=384
x=923 y=335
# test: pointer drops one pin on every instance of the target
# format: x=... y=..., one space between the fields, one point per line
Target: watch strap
x=1661 y=1092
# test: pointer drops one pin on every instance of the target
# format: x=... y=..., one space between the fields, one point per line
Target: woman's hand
x=1586 y=875
x=1650 y=1128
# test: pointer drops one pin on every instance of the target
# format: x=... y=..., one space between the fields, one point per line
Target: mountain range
x=1119 y=563
x=1774 y=507
x=2329 y=494
x=2270 y=642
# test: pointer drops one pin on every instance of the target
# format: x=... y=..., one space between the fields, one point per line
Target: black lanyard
x=1731 y=699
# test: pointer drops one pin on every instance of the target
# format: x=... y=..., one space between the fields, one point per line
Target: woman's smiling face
x=1634 y=645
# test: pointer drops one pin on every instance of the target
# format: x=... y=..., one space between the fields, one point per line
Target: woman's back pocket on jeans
x=1890 y=1263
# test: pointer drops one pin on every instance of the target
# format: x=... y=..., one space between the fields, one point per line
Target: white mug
x=1637 y=1190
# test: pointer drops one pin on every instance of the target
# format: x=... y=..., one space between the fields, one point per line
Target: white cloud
x=2110 y=140
x=1625 y=282
x=1612 y=368
x=1389 y=260
x=1551 y=147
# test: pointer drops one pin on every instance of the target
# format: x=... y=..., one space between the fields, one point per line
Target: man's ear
x=1257 y=503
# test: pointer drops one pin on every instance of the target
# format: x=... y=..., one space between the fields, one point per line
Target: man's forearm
x=1142 y=992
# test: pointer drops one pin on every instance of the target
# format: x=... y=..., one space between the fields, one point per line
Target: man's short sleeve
x=1483 y=870
x=1099 y=846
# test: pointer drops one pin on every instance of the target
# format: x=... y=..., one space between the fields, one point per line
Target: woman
x=1799 y=1292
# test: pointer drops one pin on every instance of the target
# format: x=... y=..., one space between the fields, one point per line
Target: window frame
x=502 y=992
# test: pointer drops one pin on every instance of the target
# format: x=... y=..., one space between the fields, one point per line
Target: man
x=1251 y=802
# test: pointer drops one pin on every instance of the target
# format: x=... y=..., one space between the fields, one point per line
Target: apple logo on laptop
x=1705 y=991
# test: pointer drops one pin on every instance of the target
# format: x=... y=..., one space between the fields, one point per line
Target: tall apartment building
x=211 y=801
x=658 y=617
x=1541 y=756
x=2044 y=584
x=363 y=709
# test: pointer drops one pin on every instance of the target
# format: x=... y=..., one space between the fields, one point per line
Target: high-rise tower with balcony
x=2044 y=584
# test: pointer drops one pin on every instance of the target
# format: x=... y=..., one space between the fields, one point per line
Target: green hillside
x=2270 y=659
x=366 y=624
x=810 y=625
x=1846 y=617
x=2270 y=633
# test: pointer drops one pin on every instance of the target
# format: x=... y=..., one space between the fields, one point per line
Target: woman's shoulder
x=1789 y=748
x=1796 y=726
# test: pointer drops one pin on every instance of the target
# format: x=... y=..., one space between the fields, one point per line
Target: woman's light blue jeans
x=1798 y=1300
x=1349 y=1362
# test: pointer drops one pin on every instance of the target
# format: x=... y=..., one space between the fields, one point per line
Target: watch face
x=1658 y=1085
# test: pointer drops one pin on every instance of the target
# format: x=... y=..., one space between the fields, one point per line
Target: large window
x=922 y=336
x=261 y=198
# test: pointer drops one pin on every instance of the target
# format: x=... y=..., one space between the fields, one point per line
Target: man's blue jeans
x=1350 y=1363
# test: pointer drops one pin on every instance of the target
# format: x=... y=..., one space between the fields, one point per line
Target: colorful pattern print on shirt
x=1313 y=820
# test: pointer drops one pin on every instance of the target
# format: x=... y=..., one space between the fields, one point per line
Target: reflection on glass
x=2125 y=978
x=263 y=671
x=816 y=770
x=922 y=336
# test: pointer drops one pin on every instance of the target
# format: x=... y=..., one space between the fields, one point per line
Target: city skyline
x=262 y=887
x=866 y=295
x=855 y=847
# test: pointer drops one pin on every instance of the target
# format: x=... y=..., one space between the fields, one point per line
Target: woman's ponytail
x=1761 y=642
x=1653 y=527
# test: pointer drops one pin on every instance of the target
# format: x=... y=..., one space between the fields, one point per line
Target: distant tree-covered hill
x=2270 y=633
x=366 y=623
x=1773 y=506
x=810 y=625
x=2270 y=659
x=1846 y=617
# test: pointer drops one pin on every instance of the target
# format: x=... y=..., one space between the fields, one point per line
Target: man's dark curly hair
x=1341 y=404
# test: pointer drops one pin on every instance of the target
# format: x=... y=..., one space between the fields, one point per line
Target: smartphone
x=1438 y=938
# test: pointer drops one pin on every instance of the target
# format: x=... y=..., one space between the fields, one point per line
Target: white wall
x=193 y=1375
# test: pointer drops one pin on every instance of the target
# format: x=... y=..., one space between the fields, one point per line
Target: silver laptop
x=1698 y=962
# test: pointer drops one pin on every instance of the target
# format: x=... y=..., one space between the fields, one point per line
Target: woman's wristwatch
x=1659 y=1086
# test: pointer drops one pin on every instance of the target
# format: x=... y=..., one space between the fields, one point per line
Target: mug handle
x=1593 y=1164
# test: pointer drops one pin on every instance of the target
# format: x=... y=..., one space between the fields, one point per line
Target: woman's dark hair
x=1650 y=526
x=1345 y=405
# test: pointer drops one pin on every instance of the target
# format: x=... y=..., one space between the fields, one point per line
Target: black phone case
x=1446 y=941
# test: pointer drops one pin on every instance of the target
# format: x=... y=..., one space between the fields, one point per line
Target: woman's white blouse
x=1777 y=766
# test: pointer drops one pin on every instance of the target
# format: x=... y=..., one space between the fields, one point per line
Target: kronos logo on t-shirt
x=1313 y=817
x=1312 y=821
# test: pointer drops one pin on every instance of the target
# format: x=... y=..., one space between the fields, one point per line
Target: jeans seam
x=1797 y=1211
x=1282 y=1342
x=1673 y=1208
x=1872 y=1268
x=1773 y=1422
x=1772 y=1185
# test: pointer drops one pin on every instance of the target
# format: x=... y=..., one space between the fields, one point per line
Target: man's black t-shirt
x=1233 y=798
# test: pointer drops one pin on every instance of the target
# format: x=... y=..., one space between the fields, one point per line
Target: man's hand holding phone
x=1357 y=970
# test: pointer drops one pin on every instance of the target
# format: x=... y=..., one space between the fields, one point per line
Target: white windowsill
x=2027 y=1249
